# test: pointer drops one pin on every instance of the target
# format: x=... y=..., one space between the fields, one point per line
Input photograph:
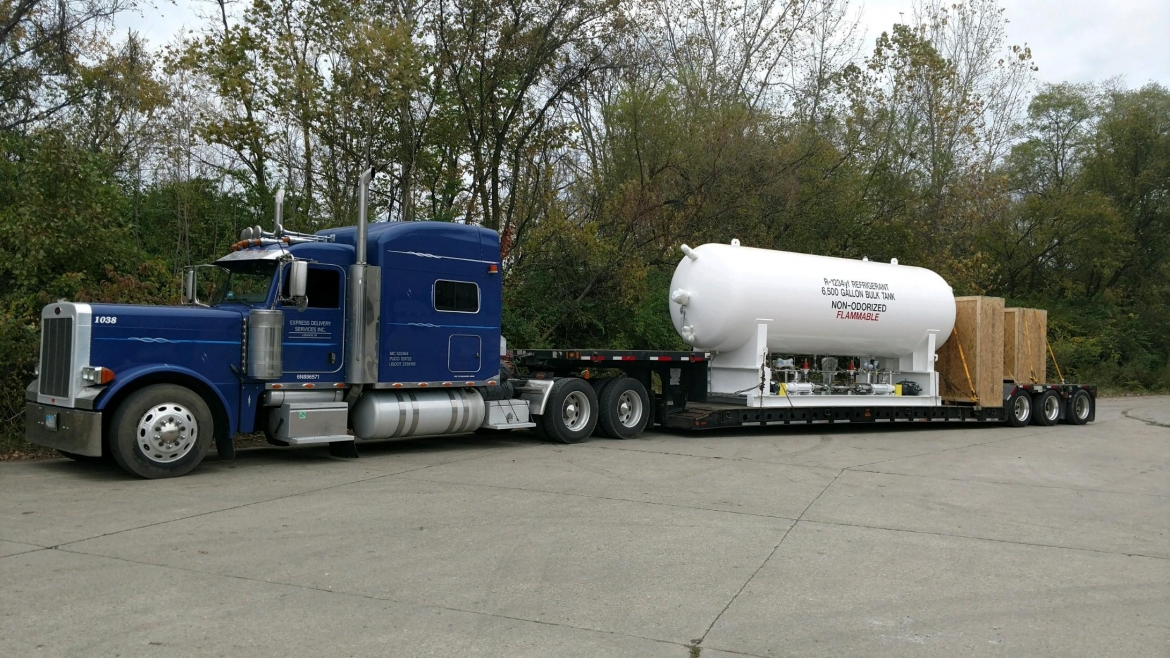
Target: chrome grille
x=56 y=356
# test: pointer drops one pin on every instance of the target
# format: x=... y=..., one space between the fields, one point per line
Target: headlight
x=96 y=376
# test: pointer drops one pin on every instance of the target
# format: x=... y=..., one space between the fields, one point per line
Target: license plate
x=51 y=422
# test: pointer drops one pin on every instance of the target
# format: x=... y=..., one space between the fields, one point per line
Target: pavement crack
x=597 y=497
x=857 y=469
x=31 y=550
x=775 y=548
x=373 y=597
x=270 y=500
x=713 y=457
x=939 y=452
x=1147 y=421
x=988 y=539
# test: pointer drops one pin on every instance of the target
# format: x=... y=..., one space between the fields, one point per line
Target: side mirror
x=298 y=278
x=189 y=286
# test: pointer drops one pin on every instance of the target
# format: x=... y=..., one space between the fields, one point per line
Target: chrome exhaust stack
x=278 y=227
x=364 y=301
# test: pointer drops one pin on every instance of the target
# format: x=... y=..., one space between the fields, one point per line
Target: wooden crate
x=1025 y=345
x=979 y=330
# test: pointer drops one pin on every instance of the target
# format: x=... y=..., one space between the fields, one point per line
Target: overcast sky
x=1071 y=40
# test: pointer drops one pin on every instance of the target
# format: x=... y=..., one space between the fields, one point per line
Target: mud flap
x=225 y=448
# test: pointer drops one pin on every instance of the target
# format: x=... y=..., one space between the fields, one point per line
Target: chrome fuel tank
x=382 y=414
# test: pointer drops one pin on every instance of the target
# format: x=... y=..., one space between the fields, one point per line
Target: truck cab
x=286 y=335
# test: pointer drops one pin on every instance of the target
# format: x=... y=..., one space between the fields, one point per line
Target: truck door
x=314 y=338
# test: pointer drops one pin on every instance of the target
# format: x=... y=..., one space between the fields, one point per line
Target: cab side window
x=456 y=297
x=323 y=287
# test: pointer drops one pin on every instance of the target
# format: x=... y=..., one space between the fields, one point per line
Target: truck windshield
x=247 y=282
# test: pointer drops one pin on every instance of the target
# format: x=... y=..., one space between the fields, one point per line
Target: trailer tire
x=570 y=414
x=599 y=386
x=1019 y=409
x=1046 y=409
x=1078 y=408
x=182 y=431
x=624 y=408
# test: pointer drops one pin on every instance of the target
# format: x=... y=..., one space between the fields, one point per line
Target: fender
x=129 y=377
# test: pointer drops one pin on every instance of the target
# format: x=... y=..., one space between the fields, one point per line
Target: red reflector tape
x=629 y=358
x=599 y=358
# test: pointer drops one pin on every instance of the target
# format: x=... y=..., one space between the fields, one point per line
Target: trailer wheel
x=1046 y=409
x=1078 y=408
x=624 y=408
x=599 y=386
x=1019 y=409
x=161 y=431
x=570 y=414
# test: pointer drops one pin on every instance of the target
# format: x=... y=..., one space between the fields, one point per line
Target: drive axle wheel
x=624 y=407
x=161 y=431
x=1019 y=409
x=599 y=385
x=1046 y=408
x=570 y=413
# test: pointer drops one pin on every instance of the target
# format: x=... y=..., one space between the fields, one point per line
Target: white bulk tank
x=811 y=304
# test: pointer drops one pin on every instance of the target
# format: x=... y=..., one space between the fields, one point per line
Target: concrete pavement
x=928 y=540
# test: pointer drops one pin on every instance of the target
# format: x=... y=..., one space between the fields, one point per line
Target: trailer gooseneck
x=392 y=331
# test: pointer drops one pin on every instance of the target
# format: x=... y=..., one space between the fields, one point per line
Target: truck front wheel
x=161 y=431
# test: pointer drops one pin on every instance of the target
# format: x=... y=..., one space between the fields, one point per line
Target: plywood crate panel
x=979 y=330
x=1025 y=345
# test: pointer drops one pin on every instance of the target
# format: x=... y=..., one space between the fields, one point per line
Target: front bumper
x=78 y=431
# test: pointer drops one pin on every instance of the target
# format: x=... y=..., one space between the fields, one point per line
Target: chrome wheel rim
x=1081 y=407
x=575 y=411
x=1022 y=408
x=629 y=409
x=1052 y=407
x=167 y=432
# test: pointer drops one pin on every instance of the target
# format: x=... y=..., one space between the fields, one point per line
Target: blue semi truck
x=392 y=331
x=379 y=331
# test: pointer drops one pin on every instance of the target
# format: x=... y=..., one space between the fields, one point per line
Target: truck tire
x=599 y=385
x=570 y=414
x=1078 y=408
x=1046 y=409
x=161 y=431
x=1019 y=408
x=624 y=408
